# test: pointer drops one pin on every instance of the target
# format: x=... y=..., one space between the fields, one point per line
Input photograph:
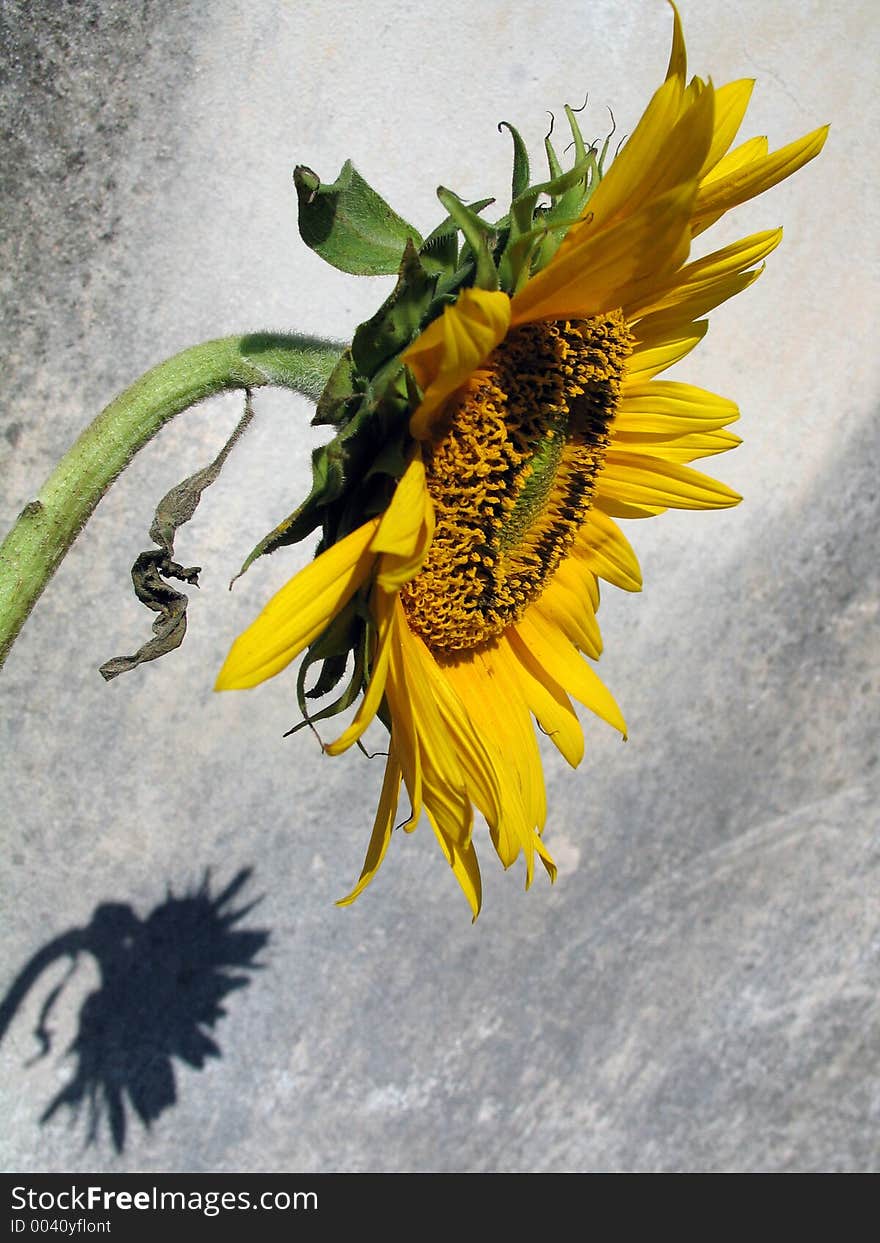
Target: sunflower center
x=511 y=473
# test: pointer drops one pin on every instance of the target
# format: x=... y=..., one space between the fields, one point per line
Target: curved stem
x=48 y=525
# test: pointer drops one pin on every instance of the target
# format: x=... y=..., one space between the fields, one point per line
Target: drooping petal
x=490 y=694
x=300 y=611
x=382 y=827
x=406 y=529
x=605 y=550
x=463 y=861
x=549 y=704
x=451 y=349
x=454 y=762
x=565 y=666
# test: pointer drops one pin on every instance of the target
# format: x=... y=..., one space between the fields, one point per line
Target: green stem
x=48 y=525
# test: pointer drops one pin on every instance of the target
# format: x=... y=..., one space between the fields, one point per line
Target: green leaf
x=349 y=224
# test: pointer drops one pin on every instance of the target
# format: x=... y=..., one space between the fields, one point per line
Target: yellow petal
x=614 y=508
x=668 y=147
x=300 y=611
x=405 y=733
x=561 y=607
x=451 y=348
x=463 y=861
x=620 y=187
x=746 y=153
x=406 y=530
x=731 y=102
x=481 y=777
x=580 y=579
x=486 y=684
x=639 y=479
x=724 y=192
x=399 y=528
x=382 y=828
x=546 y=859
x=698 y=301
x=437 y=740
x=612 y=266
x=427 y=755
x=602 y=546
x=667 y=405
x=685 y=149
x=565 y=666
x=549 y=705
x=678 y=448
x=706 y=277
x=677 y=67
x=665 y=346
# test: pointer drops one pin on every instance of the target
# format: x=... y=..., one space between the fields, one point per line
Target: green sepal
x=439 y=250
x=346 y=484
x=580 y=147
x=521 y=172
x=333 y=465
x=349 y=224
x=556 y=186
x=552 y=158
x=603 y=155
x=391 y=460
x=568 y=204
x=368 y=401
x=345 y=634
x=397 y=321
x=479 y=235
x=336 y=403
x=529 y=226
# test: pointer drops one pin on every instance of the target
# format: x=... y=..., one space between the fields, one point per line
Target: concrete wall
x=699 y=989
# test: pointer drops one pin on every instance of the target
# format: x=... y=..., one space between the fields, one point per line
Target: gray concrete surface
x=699 y=991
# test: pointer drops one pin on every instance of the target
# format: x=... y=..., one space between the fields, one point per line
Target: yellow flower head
x=505 y=412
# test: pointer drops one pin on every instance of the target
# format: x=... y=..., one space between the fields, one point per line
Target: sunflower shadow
x=163 y=981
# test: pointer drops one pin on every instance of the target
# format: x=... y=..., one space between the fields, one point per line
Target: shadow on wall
x=163 y=982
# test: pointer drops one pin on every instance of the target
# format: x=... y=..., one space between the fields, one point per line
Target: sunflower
x=534 y=421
